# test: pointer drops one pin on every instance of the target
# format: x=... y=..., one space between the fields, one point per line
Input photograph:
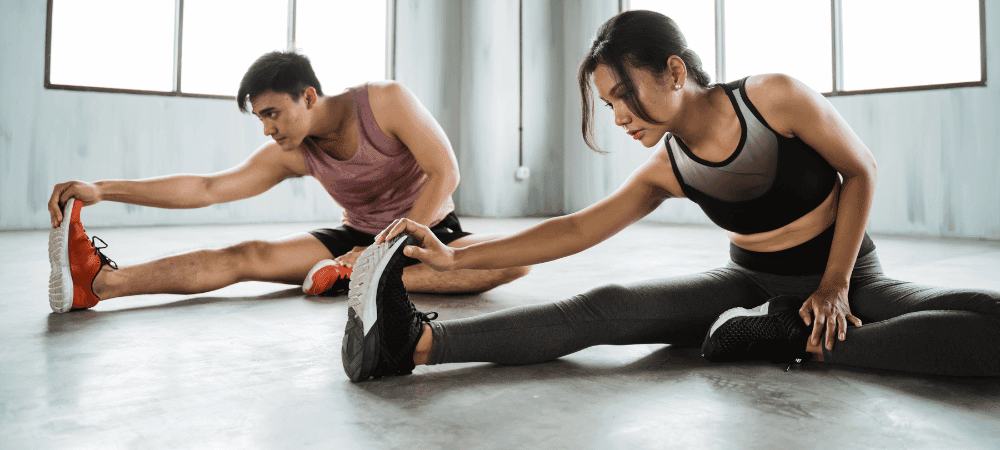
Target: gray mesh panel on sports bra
x=746 y=175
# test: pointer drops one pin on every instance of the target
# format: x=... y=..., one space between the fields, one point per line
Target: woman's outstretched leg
x=673 y=311
x=385 y=335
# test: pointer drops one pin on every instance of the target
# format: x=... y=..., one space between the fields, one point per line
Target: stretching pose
x=377 y=151
x=770 y=161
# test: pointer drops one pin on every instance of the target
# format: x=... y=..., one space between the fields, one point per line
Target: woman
x=770 y=161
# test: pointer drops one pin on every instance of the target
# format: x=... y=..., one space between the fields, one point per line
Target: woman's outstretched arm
x=552 y=239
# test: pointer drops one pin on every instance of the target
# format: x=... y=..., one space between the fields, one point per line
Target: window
x=838 y=46
x=203 y=47
x=221 y=38
x=86 y=46
x=887 y=46
x=696 y=20
x=360 y=49
x=760 y=41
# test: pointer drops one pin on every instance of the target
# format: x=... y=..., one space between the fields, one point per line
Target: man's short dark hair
x=281 y=72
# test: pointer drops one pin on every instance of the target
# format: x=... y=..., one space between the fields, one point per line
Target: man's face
x=285 y=120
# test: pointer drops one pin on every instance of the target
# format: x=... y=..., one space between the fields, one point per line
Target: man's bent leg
x=286 y=260
x=422 y=278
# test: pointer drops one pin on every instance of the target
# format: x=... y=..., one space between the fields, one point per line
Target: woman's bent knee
x=607 y=291
x=985 y=302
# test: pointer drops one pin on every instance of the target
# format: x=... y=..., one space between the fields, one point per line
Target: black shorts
x=343 y=239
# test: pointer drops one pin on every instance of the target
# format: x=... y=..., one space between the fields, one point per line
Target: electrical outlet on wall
x=522 y=173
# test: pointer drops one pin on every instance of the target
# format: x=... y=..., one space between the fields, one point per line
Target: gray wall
x=461 y=60
x=938 y=151
x=938 y=154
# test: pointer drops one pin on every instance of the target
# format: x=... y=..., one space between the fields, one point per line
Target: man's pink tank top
x=379 y=183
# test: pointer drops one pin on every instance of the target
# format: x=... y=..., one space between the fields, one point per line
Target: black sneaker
x=774 y=331
x=383 y=326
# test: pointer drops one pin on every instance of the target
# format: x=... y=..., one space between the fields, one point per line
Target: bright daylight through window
x=223 y=37
x=885 y=44
x=784 y=36
x=697 y=22
x=121 y=44
x=923 y=43
x=130 y=45
x=360 y=54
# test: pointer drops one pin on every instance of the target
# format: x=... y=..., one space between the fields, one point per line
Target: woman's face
x=659 y=98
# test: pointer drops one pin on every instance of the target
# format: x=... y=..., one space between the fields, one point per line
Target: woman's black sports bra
x=767 y=183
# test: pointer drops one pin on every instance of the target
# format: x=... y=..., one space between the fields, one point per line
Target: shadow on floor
x=767 y=381
x=77 y=319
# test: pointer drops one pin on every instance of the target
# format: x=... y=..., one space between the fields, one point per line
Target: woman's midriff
x=801 y=230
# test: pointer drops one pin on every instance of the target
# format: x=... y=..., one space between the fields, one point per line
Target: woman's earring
x=677 y=86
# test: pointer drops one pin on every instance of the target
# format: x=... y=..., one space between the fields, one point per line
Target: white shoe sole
x=364 y=280
x=60 y=276
x=361 y=345
x=738 y=312
x=307 y=284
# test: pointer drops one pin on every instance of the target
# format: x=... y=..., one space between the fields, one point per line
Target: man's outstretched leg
x=422 y=278
x=94 y=277
x=329 y=278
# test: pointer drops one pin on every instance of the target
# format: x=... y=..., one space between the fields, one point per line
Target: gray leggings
x=906 y=326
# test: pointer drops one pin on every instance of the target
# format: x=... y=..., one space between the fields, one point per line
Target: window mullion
x=48 y=45
x=178 y=41
x=390 y=40
x=982 y=41
x=720 y=41
x=837 y=41
x=291 y=25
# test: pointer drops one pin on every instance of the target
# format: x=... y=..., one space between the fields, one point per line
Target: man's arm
x=267 y=167
x=401 y=115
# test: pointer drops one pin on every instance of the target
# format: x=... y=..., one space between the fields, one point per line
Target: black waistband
x=807 y=258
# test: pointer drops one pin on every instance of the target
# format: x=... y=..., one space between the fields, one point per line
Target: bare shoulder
x=774 y=85
x=391 y=104
x=658 y=172
x=779 y=97
x=386 y=90
x=388 y=96
x=289 y=163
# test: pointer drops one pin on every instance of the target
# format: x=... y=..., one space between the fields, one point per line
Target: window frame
x=837 y=53
x=390 y=53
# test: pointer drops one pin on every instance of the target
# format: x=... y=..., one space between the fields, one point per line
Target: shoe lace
x=97 y=250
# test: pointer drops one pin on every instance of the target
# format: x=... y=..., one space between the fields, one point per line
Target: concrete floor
x=257 y=365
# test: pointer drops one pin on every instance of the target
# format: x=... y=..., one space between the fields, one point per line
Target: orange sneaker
x=327 y=278
x=75 y=262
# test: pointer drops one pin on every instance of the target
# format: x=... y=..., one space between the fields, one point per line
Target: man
x=375 y=148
